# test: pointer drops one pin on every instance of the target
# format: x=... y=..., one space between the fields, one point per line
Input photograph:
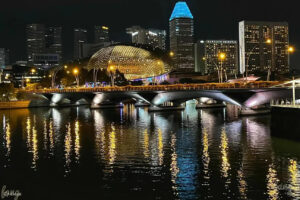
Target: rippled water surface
x=79 y=153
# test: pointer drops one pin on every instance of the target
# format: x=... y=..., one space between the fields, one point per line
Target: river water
x=80 y=153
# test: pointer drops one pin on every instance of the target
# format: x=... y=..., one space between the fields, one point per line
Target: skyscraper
x=80 y=38
x=4 y=57
x=264 y=47
x=207 y=56
x=152 y=37
x=53 y=41
x=101 y=34
x=35 y=40
x=181 y=26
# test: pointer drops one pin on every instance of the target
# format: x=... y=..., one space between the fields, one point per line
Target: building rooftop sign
x=181 y=10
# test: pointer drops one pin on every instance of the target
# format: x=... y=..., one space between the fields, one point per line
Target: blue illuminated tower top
x=181 y=10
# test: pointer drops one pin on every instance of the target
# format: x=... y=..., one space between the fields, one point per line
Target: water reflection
x=205 y=156
x=146 y=144
x=224 y=153
x=77 y=140
x=272 y=183
x=242 y=183
x=169 y=155
x=160 y=146
x=294 y=179
x=68 y=148
x=112 y=145
x=7 y=134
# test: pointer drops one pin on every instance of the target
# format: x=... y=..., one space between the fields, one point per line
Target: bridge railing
x=177 y=87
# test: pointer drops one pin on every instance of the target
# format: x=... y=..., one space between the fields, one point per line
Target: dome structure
x=133 y=62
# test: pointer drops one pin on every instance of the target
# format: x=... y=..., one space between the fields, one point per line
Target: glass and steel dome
x=133 y=62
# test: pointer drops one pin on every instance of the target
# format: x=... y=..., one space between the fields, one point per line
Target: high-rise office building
x=35 y=40
x=181 y=24
x=4 y=57
x=152 y=37
x=80 y=38
x=101 y=34
x=53 y=39
x=207 y=56
x=264 y=46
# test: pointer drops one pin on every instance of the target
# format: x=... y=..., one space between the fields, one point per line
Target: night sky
x=214 y=19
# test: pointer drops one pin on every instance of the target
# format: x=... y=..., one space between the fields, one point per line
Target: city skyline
x=208 y=22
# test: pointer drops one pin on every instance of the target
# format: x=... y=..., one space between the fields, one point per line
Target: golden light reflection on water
x=7 y=137
x=294 y=184
x=174 y=168
x=45 y=134
x=112 y=145
x=242 y=183
x=77 y=140
x=160 y=147
x=34 y=149
x=68 y=148
x=51 y=137
x=146 y=144
x=28 y=132
x=224 y=153
x=272 y=183
x=205 y=154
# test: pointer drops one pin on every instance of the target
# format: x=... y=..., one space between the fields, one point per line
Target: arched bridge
x=244 y=95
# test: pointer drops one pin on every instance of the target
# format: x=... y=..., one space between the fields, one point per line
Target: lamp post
x=222 y=57
x=112 y=70
x=291 y=50
x=76 y=72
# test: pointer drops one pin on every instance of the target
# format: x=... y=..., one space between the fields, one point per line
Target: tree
x=7 y=92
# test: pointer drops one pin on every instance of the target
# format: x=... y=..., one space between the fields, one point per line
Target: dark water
x=79 y=153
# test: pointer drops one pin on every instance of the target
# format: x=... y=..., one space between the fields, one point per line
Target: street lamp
x=291 y=50
x=222 y=57
x=171 y=54
x=76 y=72
x=112 y=70
x=33 y=71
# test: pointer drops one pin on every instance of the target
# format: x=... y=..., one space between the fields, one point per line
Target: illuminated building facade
x=152 y=37
x=133 y=62
x=181 y=26
x=207 y=56
x=264 y=46
x=80 y=38
x=101 y=34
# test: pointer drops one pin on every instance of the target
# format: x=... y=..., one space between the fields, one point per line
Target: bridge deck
x=177 y=87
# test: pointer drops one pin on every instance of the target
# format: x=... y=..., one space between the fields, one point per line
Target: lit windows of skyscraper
x=264 y=46
x=4 y=57
x=80 y=38
x=101 y=34
x=207 y=56
x=35 y=40
x=181 y=26
x=152 y=37
x=54 y=41
x=43 y=42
